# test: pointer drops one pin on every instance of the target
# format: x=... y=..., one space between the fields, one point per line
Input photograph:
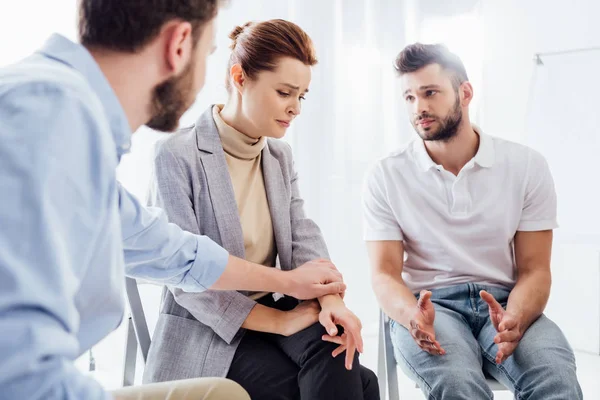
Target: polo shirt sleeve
x=539 y=206
x=379 y=222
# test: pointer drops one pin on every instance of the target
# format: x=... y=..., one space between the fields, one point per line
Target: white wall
x=513 y=31
x=25 y=26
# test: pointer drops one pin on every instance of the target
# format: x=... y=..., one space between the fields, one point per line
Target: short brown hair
x=418 y=55
x=128 y=25
x=257 y=46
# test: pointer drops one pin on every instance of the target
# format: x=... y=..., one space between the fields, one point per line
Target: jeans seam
x=503 y=371
x=419 y=377
x=474 y=305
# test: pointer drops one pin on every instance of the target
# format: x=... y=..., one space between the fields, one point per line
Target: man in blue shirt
x=69 y=231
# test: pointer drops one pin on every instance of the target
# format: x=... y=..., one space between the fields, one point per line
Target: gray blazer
x=197 y=334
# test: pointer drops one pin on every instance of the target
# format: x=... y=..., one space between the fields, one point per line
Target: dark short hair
x=128 y=25
x=418 y=55
x=257 y=46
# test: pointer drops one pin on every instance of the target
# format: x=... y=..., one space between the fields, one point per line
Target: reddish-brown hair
x=257 y=46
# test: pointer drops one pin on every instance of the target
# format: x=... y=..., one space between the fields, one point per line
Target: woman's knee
x=370 y=384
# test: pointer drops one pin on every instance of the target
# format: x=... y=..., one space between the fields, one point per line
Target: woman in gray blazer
x=228 y=177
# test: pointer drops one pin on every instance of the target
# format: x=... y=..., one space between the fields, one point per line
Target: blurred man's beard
x=448 y=126
x=171 y=99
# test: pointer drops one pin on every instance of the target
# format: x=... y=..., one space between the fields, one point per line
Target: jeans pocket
x=392 y=325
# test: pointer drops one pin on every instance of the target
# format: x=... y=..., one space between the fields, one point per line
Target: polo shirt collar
x=484 y=157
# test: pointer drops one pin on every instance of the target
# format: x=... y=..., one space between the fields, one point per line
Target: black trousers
x=275 y=367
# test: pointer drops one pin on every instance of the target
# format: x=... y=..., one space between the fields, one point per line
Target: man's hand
x=421 y=325
x=336 y=313
x=506 y=324
x=299 y=318
x=314 y=279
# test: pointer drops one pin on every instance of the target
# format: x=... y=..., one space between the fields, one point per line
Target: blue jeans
x=542 y=366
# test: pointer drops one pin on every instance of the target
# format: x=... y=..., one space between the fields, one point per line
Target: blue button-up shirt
x=68 y=230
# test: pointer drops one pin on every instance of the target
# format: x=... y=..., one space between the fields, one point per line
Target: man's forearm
x=394 y=297
x=529 y=297
x=244 y=275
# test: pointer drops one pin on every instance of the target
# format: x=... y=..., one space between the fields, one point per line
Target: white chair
x=137 y=332
x=386 y=364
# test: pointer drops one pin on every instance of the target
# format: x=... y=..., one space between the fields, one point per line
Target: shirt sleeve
x=48 y=183
x=162 y=252
x=379 y=221
x=539 y=206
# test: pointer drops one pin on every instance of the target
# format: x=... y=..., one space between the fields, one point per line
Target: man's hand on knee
x=507 y=326
x=421 y=325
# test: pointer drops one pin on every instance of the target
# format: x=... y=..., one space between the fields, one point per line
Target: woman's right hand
x=301 y=317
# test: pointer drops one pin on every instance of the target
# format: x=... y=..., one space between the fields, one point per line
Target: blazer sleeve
x=307 y=240
x=171 y=188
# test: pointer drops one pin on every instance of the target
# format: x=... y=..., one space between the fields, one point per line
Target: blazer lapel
x=220 y=188
x=278 y=196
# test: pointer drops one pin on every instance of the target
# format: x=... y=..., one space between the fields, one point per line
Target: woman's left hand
x=351 y=339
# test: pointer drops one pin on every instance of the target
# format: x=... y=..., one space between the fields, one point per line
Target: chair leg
x=390 y=360
x=381 y=361
x=130 y=355
x=137 y=315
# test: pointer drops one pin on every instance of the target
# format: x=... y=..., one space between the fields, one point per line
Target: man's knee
x=457 y=383
x=224 y=389
x=563 y=382
x=186 y=389
x=545 y=363
x=549 y=379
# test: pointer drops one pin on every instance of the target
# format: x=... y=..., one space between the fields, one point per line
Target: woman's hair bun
x=237 y=31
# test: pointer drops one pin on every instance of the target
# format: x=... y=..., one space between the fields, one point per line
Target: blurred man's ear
x=178 y=45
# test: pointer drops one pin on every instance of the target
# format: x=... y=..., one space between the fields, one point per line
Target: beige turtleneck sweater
x=243 y=155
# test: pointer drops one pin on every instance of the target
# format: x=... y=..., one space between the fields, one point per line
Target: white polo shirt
x=459 y=229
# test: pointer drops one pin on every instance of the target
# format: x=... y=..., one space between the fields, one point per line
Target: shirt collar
x=76 y=56
x=422 y=157
x=484 y=157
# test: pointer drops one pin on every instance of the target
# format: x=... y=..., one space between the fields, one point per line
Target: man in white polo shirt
x=459 y=230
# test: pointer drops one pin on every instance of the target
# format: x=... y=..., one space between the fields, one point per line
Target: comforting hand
x=301 y=317
x=421 y=325
x=506 y=324
x=351 y=339
x=315 y=279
